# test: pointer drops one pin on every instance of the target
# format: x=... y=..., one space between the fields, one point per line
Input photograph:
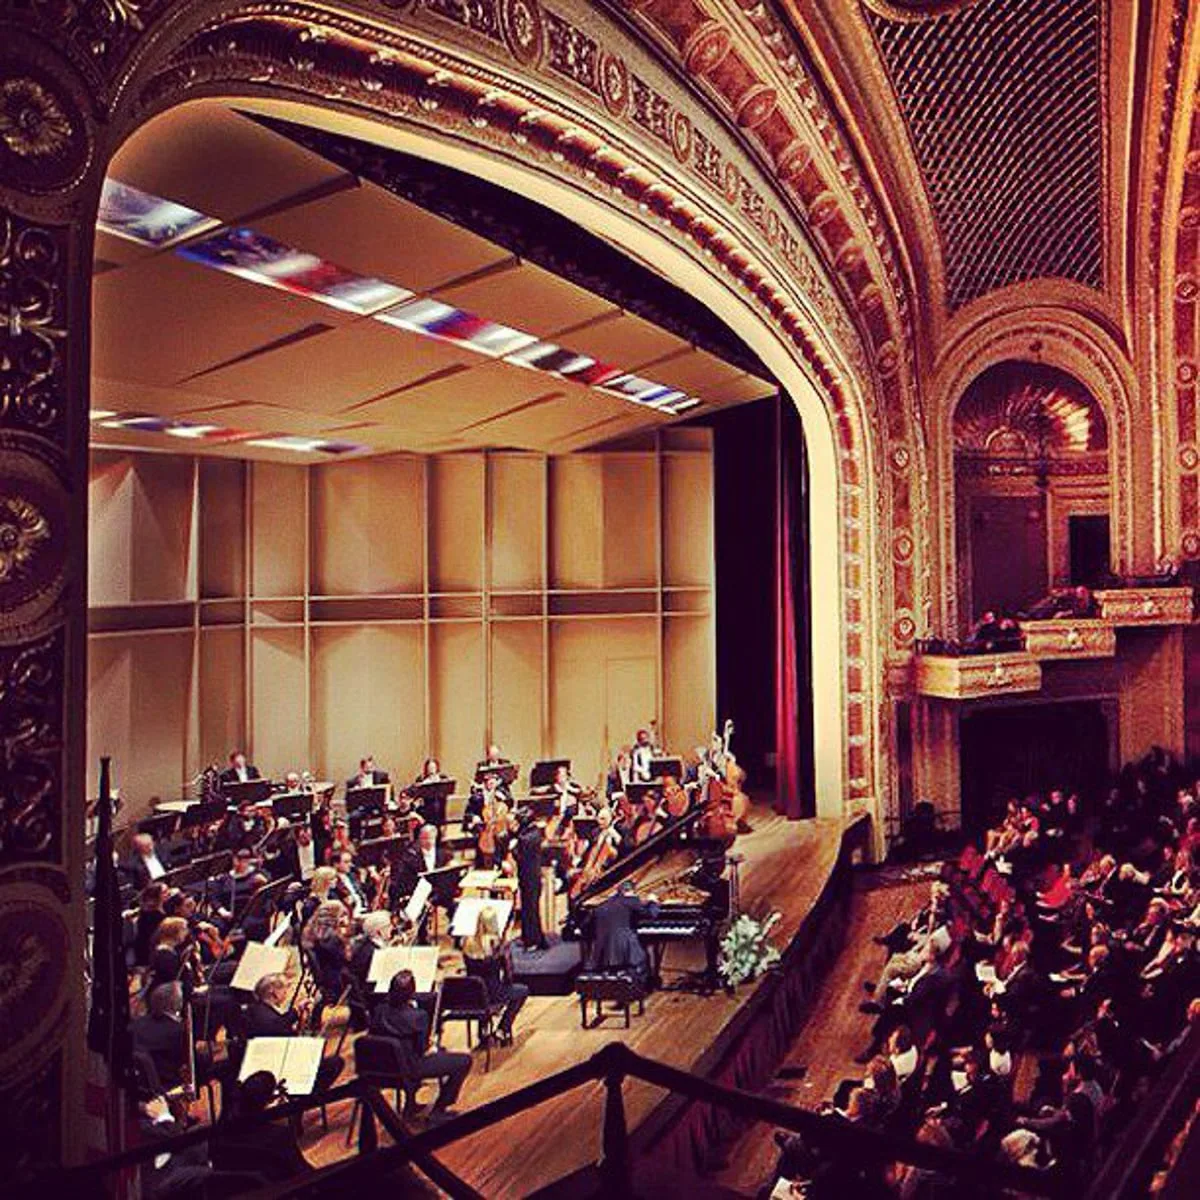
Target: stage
x=788 y=867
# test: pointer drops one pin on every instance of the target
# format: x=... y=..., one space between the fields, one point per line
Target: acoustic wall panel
x=688 y=681
x=278 y=699
x=456 y=695
x=368 y=527
x=517 y=521
x=278 y=518
x=630 y=520
x=687 y=520
x=222 y=527
x=368 y=697
x=516 y=690
x=602 y=687
x=141 y=528
x=139 y=693
x=576 y=515
x=456 y=522
x=222 y=693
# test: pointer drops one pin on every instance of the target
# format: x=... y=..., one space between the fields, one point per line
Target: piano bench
x=616 y=986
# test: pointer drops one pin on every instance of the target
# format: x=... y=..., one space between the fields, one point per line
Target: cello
x=719 y=821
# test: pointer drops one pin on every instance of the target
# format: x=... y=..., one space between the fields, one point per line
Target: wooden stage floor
x=786 y=865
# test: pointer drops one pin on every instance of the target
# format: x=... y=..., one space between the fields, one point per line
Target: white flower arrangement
x=745 y=951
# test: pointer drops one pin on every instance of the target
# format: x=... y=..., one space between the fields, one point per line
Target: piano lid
x=651 y=849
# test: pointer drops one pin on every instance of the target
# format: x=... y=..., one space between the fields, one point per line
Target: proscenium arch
x=644 y=240
x=1075 y=346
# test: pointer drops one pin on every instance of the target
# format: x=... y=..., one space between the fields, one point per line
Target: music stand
x=160 y=826
x=508 y=772
x=660 y=768
x=203 y=814
x=373 y=798
x=292 y=804
x=637 y=792
x=433 y=797
x=541 y=774
x=374 y=852
x=253 y=791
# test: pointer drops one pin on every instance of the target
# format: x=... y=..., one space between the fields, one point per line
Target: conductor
x=615 y=944
x=529 y=881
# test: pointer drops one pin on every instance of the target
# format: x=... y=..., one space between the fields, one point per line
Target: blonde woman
x=320 y=886
x=326 y=937
x=486 y=957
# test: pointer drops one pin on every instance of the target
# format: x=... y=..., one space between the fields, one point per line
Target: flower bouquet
x=745 y=950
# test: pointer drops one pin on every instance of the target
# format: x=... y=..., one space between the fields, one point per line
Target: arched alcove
x=1031 y=487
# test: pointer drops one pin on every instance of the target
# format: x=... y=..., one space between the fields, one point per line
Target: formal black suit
x=230 y=775
x=407 y=1027
x=529 y=882
x=137 y=873
x=164 y=1039
x=410 y=866
x=614 y=937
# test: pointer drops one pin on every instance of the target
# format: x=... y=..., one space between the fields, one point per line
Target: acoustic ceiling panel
x=163 y=319
x=529 y=299
x=336 y=371
x=370 y=231
x=219 y=162
x=1003 y=100
x=625 y=341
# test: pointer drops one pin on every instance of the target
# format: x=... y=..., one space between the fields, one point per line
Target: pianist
x=615 y=944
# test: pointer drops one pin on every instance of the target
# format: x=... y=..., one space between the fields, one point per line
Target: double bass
x=725 y=803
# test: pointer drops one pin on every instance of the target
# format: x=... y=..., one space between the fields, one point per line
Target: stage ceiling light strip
x=151 y=221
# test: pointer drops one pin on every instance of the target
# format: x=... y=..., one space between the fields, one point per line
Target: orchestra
x=338 y=884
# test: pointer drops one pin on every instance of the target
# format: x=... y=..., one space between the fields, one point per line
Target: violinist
x=565 y=792
x=326 y=937
x=246 y=826
x=377 y=934
x=151 y=912
x=420 y=858
x=349 y=886
x=143 y=865
x=572 y=853
x=270 y=1014
x=298 y=858
x=369 y=775
x=234 y=889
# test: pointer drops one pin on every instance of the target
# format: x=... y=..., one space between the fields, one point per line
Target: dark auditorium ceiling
x=1002 y=100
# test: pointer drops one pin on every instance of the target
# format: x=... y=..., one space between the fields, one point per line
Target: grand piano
x=688 y=875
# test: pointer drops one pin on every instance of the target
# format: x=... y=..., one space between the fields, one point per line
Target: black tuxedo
x=407 y=1028
x=134 y=869
x=410 y=866
x=614 y=938
x=230 y=775
x=164 y=1039
x=262 y=1020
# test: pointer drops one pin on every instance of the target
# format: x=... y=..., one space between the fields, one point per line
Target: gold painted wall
x=399 y=605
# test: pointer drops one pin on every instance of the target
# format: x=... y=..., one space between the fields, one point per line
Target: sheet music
x=294 y=1061
x=277 y=934
x=259 y=959
x=387 y=961
x=466 y=914
x=479 y=880
x=417 y=901
x=985 y=972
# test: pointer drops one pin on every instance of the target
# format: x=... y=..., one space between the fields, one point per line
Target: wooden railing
x=612 y=1065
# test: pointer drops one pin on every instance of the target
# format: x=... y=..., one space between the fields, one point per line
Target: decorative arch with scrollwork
x=723 y=185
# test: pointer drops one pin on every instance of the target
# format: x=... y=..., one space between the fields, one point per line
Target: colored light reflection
x=128 y=212
x=261 y=259
x=152 y=221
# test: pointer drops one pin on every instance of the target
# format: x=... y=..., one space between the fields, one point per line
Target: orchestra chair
x=465 y=998
x=377 y=1061
x=617 y=986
